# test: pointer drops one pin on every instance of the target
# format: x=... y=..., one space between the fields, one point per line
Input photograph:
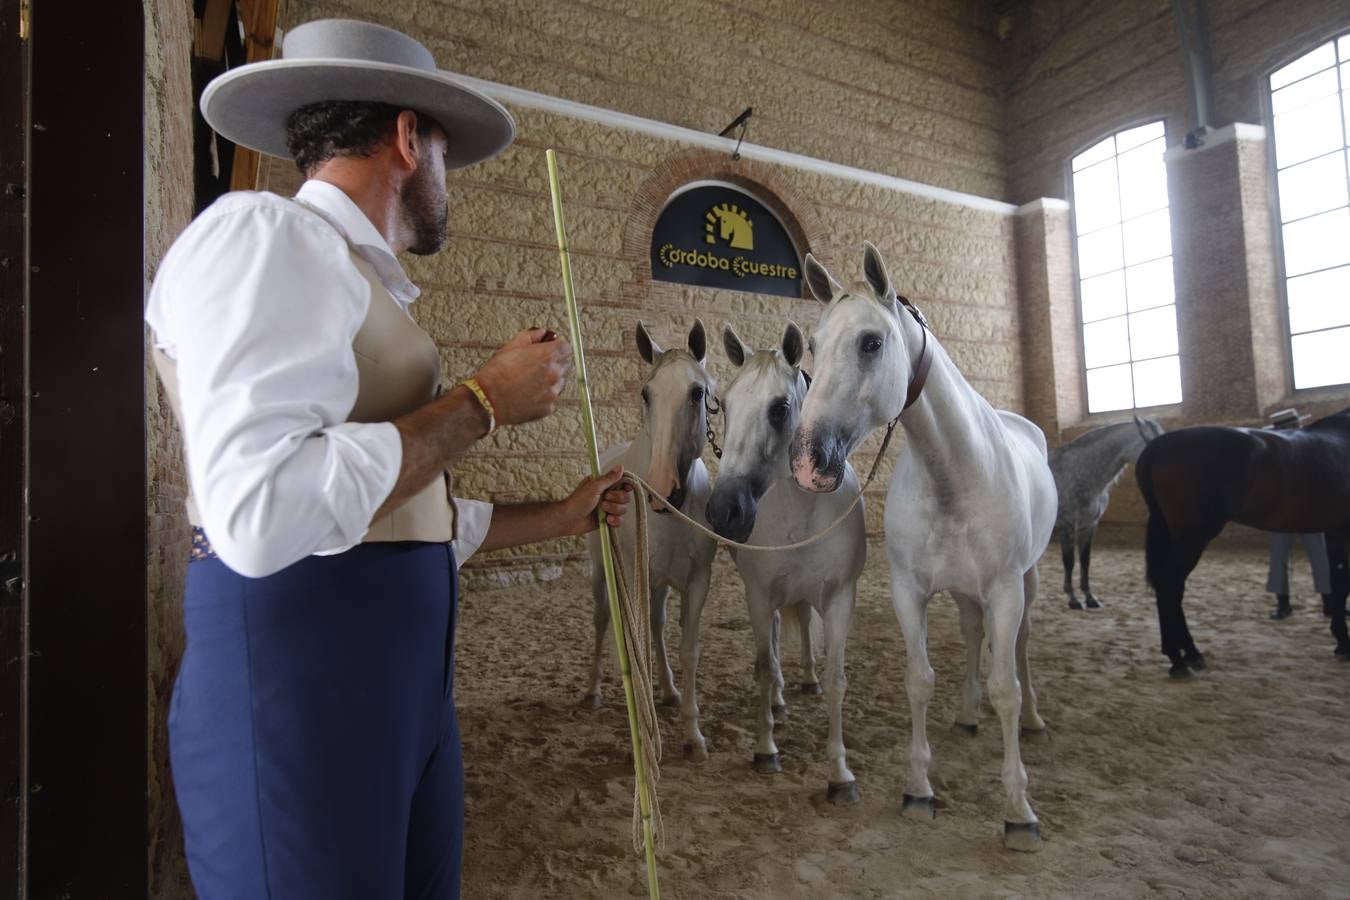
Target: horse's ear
x=698 y=341
x=793 y=344
x=734 y=346
x=823 y=286
x=874 y=269
x=647 y=347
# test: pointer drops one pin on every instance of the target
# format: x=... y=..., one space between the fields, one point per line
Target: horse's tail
x=1158 y=540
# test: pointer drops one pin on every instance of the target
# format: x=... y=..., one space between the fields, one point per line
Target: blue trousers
x=312 y=732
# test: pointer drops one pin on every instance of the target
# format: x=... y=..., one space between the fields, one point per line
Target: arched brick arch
x=764 y=180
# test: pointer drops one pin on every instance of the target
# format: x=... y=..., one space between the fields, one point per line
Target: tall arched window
x=1310 y=103
x=1123 y=244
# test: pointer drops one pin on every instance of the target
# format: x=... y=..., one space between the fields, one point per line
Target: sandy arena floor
x=1233 y=784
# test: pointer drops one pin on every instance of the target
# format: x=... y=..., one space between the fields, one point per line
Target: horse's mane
x=1334 y=420
x=1096 y=435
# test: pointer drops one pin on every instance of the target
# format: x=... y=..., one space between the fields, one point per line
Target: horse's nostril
x=818 y=457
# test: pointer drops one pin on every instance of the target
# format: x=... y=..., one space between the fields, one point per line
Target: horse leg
x=779 y=706
x=911 y=608
x=591 y=698
x=810 y=684
x=972 y=632
x=1032 y=723
x=1005 y=607
x=1338 y=555
x=691 y=610
x=762 y=622
x=1169 y=595
x=670 y=695
x=841 y=787
x=1085 y=559
x=1066 y=550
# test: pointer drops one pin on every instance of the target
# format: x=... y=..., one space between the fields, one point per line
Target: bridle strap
x=925 y=356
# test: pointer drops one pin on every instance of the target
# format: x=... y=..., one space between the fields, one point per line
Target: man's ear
x=407 y=142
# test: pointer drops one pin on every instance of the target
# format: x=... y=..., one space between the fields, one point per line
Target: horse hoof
x=1179 y=670
x=1093 y=603
x=1036 y=735
x=912 y=807
x=843 y=794
x=696 y=753
x=1196 y=662
x=767 y=763
x=812 y=688
x=779 y=711
x=1282 y=612
x=590 y=701
x=1074 y=604
x=1343 y=653
x=1024 y=837
x=963 y=728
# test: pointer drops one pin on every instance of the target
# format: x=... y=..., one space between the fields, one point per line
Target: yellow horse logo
x=734 y=224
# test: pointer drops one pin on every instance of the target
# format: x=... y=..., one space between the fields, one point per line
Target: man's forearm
x=434 y=436
x=524 y=523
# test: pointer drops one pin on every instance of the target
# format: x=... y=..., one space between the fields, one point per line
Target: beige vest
x=399 y=370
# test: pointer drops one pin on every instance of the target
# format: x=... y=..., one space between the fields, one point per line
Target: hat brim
x=249 y=105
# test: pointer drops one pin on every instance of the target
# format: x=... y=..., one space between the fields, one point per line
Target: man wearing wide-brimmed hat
x=1281 y=545
x=314 y=747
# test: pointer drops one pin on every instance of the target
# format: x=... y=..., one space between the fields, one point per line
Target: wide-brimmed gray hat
x=343 y=59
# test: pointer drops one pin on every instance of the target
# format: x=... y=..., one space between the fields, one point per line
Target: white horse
x=666 y=454
x=755 y=501
x=970 y=508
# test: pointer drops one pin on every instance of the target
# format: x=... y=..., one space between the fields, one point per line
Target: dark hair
x=320 y=131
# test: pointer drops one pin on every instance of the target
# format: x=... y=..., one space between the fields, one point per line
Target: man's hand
x=523 y=379
x=578 y=509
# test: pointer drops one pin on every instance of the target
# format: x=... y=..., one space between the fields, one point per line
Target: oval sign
x=721 y=237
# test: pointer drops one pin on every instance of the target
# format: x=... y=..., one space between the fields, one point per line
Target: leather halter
x=920 y=378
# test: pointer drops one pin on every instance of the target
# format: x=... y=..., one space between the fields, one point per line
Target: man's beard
x=427 y=213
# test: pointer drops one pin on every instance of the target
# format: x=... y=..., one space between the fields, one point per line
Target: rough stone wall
x=904 y=88
x=168 y=209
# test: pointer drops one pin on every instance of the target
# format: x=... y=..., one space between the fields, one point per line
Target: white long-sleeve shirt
x=258 y=302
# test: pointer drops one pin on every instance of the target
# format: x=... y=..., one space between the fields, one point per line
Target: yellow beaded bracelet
x=477 y=390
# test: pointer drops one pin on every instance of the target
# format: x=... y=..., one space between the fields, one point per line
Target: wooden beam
x=209 y=33
x=259 y=18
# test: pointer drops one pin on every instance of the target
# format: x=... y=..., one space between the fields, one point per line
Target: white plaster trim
x=1244 y=131
x=514 y=96
x=1046 y=204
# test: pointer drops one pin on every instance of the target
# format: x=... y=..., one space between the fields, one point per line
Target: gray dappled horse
x=667 y=455
x=1085 y=470
x=756 y=501
x=970 y=507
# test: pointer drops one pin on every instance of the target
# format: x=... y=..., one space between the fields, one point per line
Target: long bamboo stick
x=606 y=544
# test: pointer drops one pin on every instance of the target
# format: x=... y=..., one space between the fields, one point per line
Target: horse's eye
x=696 y=394
x=646 y=397
x=870 y=343
x=778 y=413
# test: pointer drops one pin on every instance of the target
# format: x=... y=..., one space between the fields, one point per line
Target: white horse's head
x=862 y=367
x=761 y=407
x=674 y=414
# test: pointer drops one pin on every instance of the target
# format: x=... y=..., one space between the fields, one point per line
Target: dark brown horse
x=1196 y=480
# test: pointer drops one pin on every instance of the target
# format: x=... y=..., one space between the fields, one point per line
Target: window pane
x=1150 y=284
x=1109 y=389
x=1103 y=296
x=1096 y=153
x=1311 y=131
x=1099 y=252
x=1319 y=300
x=1131 y=138
x=1148 y=237
x=1304 y=92
x=1312 y=187
x=1305 y=65
x=1105 y=343
x=1322 y=357
x=1153 y=333
x=1319 y=242
x=1157 y=381
x=1096 y=197
x=1344 y=44
x=1143 y=180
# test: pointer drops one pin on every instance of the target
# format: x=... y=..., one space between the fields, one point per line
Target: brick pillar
x=1052 y=356
x=1228 y=317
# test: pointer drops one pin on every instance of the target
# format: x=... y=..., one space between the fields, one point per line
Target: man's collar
x=367 y=240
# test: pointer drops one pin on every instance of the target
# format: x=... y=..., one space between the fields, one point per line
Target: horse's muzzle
x=731 y=511
x=817 y=465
